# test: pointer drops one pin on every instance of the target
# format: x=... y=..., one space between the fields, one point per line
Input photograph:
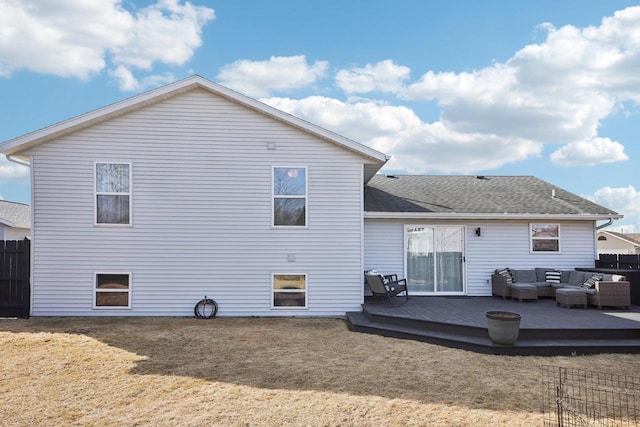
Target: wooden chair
x=388 y=286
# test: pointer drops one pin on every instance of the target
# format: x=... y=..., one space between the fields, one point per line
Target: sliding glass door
x=434 y=257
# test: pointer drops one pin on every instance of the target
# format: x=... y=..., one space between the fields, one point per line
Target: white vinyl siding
x=501 y=244
x=203 y=220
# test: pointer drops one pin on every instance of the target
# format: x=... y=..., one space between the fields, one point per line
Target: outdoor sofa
x=602 y=290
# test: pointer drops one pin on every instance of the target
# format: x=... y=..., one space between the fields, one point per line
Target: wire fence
x=577 y=397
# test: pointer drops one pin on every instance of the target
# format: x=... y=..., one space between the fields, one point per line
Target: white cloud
x=558 y=91
x=385 y=76
x=626 y=228
x=74 y=38
x=12 y=171
x=127 y=82
x=555 y=92
x=416 y=146
x=624 y=200
x=261 y=78
x=589 y=153
x=166 y=32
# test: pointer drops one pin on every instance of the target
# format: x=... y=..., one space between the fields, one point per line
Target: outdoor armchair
x=611 y=294
x=388 y=286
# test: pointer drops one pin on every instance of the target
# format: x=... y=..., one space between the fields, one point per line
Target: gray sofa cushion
x=525 y=276
x=577 y=278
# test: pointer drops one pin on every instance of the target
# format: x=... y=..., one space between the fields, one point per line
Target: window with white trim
x=112 y=290
x=113 y=193
x=290 y=196
x=545 y=237
x=289 y=291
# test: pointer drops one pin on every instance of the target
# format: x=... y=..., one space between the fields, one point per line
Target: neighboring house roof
x=488 y=197
x=14 y=146
x=630 y=238
x=16 y=215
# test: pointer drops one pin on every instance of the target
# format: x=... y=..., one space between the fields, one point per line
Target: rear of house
x=447 y=234
x=145 y=207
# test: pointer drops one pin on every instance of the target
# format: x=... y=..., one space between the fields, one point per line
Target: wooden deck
x=545 y=328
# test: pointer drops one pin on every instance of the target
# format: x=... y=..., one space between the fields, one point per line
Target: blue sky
x=540 y=88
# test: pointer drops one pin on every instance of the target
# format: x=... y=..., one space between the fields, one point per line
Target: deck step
x=477 y=338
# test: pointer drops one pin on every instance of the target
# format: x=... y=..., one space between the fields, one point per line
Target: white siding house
x=15 y=220
x=500 y=244
x=201 y=161
x=448 y=234
x=146 y=206
x=610 y=242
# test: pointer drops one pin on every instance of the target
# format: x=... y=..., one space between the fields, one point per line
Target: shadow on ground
x=315 y=355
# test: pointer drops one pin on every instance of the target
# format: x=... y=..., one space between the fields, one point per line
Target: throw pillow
x=552 y=276
x=591 y=282
x=506 y=273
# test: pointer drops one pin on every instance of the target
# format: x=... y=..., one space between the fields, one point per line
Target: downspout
x=606 y=224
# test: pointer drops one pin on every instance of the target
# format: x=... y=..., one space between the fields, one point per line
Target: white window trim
x=305 y=196
x=531 y=238
x=96 y=193
x=95 y=291
x=305 y=291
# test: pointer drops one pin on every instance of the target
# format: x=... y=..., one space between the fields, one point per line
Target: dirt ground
x=260 y=372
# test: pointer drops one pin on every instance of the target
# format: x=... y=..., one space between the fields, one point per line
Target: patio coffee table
x=571 y=297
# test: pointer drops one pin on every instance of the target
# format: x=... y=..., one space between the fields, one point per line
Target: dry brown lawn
x=259 y=372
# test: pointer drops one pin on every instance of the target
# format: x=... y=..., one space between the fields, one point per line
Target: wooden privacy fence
x=14 y=278
x=619 y=261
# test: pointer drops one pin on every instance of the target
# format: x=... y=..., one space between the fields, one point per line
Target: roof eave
x=489 y=216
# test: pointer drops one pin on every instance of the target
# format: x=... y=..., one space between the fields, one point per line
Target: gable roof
x=475 y=197
x=630 y=238
x=16 y=215
x=375 y=159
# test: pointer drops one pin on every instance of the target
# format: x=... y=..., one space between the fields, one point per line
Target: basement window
x=289 y=291
x=112 y=290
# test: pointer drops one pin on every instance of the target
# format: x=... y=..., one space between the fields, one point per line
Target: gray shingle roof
x=474 y=195
x=15 y=214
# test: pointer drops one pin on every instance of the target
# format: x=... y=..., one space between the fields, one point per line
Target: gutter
x=606 y=224
x=20 y=162
x=489 y=216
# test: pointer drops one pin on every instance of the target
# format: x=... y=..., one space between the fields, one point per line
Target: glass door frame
x=463 y=269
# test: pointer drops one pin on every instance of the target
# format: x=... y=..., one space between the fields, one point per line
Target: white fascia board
x=24 y=142
x=489 y=216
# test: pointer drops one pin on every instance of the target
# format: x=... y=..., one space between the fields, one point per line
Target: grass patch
x=260 y=372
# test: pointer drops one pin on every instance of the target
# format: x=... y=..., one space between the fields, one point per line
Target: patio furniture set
x=570 y=288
